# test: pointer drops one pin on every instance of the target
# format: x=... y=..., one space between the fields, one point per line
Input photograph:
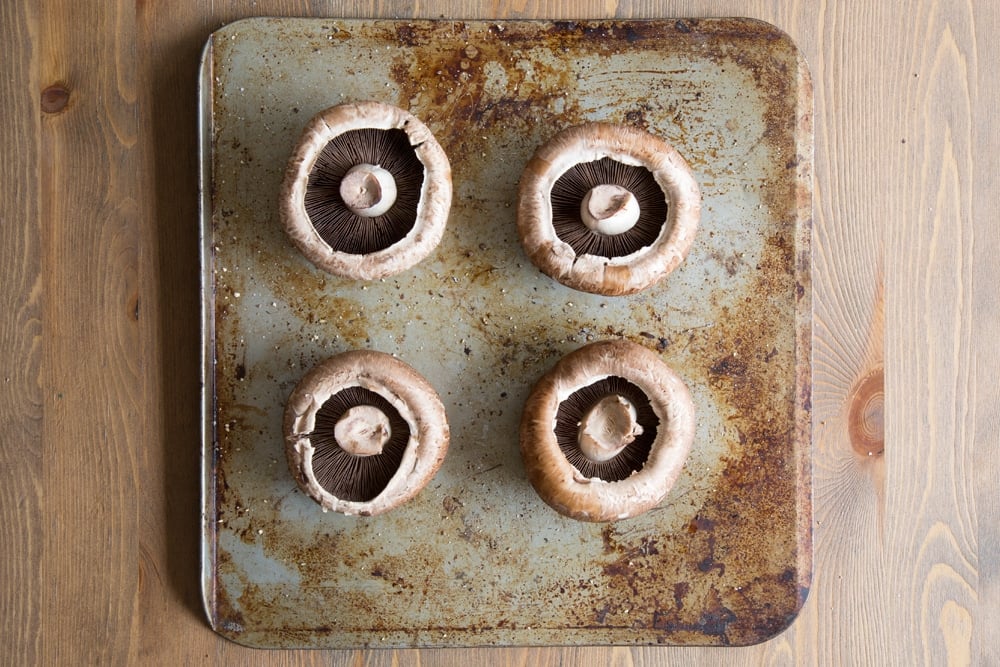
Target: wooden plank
x=91 y=366
x=20 y=336
x=930 y=517
x=983 y=387
x=168 y=530
x=848 y=250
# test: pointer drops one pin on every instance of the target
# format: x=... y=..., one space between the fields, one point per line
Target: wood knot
x=55 y=98
x=865 y=424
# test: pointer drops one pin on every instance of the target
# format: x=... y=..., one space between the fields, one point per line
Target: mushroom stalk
x=609 y=427
x=363 y=430
x=609 y=209
x=368 y=190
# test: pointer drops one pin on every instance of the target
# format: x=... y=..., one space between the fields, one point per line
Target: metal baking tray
x=477 y=558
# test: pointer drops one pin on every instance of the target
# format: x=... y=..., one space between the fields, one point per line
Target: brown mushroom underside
x=581 y=494
x=322 y=226
x=550 y=194
x=417 y=425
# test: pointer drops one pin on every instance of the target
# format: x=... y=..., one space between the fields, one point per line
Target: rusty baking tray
x=477 y=558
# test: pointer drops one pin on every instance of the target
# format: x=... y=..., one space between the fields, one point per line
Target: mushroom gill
x=367 y=191
x=606 y=431
x=573 y=187
x=631 y=451
x=364 y=433
x=342 y=224
x=607 y=209
x=355 y=475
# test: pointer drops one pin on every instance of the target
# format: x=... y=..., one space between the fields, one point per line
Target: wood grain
x=91 y=365
x=848 y=262
x=21 y=409
x=99 y=418
x=930 y=513
x=984 y=301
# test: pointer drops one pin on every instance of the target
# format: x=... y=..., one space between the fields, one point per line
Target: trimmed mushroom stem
x=609 y=209
x=363 y=430
x=609 y=427
x=368 y=190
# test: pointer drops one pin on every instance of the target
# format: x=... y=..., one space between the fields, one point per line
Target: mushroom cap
x=565 y=488
x=593 y=273
x=404 y=389
x=432 y=209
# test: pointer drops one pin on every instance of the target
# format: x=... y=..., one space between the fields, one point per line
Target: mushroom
x=367 y=191
x=607 y=209
x=364 y=433
x=605 y=433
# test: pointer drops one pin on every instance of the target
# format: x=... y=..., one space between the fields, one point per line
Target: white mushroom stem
x=607 y=428
x=362 y=430
x=609 y=209
x=368 y=190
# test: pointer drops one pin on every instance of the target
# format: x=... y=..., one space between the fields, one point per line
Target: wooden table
x=99 y=354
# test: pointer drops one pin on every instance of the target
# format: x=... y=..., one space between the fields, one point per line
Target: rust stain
x=226 y=619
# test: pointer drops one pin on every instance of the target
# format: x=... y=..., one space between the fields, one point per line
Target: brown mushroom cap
x=558 y=177
x=640 y=476
x=369 y=460
x=379 y=243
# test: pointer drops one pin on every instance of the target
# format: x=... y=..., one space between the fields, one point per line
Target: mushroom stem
x=608 y=427
x=368 y=190
x=609 y=209
x=362 y=430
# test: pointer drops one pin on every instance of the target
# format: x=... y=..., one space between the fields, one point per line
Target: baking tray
x=477 y=558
